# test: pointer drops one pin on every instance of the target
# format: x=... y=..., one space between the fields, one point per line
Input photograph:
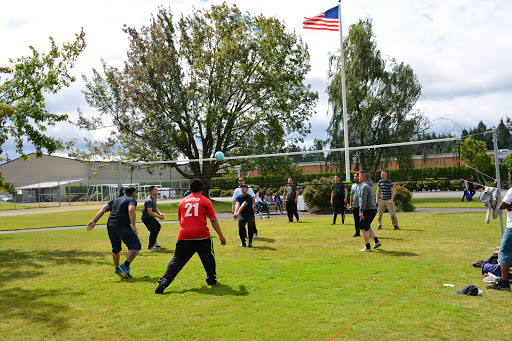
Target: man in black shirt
x=244 y=212
x=121 y=228
x=149 y=214
x=339 y=195
x=291 y=195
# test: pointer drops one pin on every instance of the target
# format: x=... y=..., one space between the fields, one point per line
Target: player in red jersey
x=194 y=236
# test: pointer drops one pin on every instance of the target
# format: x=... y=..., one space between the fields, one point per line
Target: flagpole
x=344 y=99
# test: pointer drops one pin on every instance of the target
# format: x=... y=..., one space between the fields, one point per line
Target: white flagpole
x=344 y=99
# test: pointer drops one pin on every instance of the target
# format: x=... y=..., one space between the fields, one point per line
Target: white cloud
x=459 y=50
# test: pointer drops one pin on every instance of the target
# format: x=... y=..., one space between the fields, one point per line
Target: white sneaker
x=152 y=248
x=377 y=245
x=157 y=245
x=366 y=250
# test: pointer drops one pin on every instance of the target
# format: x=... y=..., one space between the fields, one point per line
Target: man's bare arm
x=132 y=214
x=97 y=217
x=216 y=227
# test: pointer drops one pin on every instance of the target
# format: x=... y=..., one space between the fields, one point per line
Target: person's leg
x=116 y=257
x=251 y=227
x=205 y=251
x=295 y=211
x=463 y=195
x=132 y=242
x=184 y=251
x=241 y=229
x=355 y=212
x=150 y=225
x=334 y=211
x=289 y=210
x=504 y=259
x=380 y=212
x=366 y=237
x=342 y=207
x=115 y=241
x=392 y=213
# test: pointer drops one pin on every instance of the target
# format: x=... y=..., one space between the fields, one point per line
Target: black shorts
x=368 y=218
x=126 y=235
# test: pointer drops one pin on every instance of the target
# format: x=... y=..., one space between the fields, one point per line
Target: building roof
x=50 y=184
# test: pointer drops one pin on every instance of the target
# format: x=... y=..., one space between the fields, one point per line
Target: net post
x=498 y=177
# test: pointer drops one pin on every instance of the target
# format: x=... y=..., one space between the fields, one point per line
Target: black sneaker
x=160 y=288
x=242 y=245
x=343 y=222
x=396 y=227
x=501 y=285
x=333 y=223
x=356 y=235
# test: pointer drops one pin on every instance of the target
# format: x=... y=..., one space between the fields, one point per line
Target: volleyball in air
x=219 y=156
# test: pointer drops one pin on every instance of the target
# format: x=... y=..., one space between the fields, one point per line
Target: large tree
x=28 y=80
x=380 y=98
x=474 y=152
x=214 y=82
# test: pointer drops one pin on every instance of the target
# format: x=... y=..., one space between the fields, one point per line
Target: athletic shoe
x=242 y=245
x=118 y=271
x=291 y=221
x=157 y=245
x=255 y=235
x=377 y=245
x=160 y=288
x=153 y=248
x=379 y=227
x=250 y=245
x=366 y=250
x=396 y=227
x=343 y=222
x=333 y=223
x=356 y=235
x=125 y=270
x=501 y=285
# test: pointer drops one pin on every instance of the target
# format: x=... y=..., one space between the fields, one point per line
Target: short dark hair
x=195 y=185
x=152 y=187
x=364 y=172
x=128 y=191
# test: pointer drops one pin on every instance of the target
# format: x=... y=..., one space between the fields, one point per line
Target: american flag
x=327 y=20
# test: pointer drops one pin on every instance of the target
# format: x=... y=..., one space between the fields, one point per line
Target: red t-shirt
x=192 y=213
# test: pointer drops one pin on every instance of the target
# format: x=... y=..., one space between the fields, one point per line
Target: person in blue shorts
x=505 y=254
x=121 y=228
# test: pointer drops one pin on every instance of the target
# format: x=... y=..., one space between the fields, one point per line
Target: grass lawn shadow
x=268 y=240
x=398 y=253
x=136 y=279
x=215 y=290
x=34 y=307
x=264 y=248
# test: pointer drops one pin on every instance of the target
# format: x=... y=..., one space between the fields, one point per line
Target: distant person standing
x=354 y=203
x=469 y=187
x=291 y=193
x=367 y=210
x=237 y=192
x=149 y=214
x=194 y=237
x=121 y=228
x=386 y=199
x=277 y=200
x=244 y=212
x=339 y=195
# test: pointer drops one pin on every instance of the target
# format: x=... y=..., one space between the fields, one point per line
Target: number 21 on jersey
x=189 y=206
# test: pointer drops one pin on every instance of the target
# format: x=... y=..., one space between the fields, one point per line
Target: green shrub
x=227 y=193
x=318 y=194
x=403 y=199
x=215 y=192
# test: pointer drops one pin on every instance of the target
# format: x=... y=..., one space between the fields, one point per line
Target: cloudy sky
x=460 y=50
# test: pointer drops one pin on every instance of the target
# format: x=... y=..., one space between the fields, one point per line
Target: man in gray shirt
x=354 y=203
x=367 y=210
x=149 y=214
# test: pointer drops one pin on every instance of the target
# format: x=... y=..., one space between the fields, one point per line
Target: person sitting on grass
x=121 y=227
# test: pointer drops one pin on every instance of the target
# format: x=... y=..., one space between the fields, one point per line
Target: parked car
x=6 y=199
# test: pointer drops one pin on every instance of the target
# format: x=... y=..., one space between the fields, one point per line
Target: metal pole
x=69 y=192
x=498 y=177
x=344 y=99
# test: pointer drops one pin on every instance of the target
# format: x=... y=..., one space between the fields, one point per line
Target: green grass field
x=446 y=203
x=82 y=217
x=301 y=281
